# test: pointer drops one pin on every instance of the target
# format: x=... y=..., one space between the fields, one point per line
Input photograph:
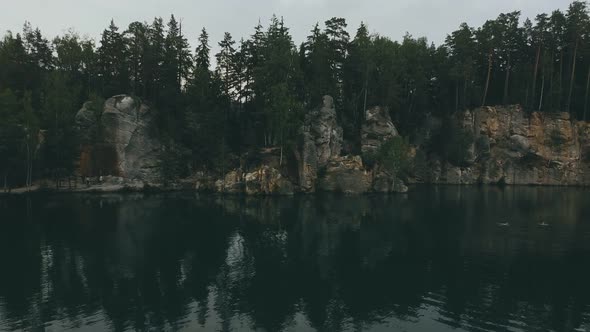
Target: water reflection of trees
x=335 y=262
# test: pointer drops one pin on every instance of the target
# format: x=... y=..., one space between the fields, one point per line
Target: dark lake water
x=432 y=260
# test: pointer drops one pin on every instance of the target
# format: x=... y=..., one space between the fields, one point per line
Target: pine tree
x=14 y=64
x=154 y=61
x=225 y=64
x=557 y=23
x=136 y=38
x=202 y=60
x=577 y=24
x=338 y=43
x=113 y=64
x=320 y=77
x=509 y=37
x=356 y=72
x=487 y=40
x=461 y=45
x=540 y=38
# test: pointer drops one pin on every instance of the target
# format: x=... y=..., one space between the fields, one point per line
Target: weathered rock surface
x=319 y=164
x=264 y=180
x=377 y=129
x=118 y=139
x=320 y=141
x=346 y=174
x=267 y=180
x=513 y=147
x=232 y=183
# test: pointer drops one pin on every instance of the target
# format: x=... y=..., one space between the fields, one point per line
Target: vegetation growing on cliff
x=260 y=88
x=393 y=156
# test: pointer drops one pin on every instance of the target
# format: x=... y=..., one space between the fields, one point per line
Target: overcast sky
x=393 y=18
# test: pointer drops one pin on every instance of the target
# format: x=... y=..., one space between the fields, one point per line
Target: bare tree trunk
x=535 y=71
x=586 y=97
x=560 y=79
x=365 y=102
x=456 y=96
x=485 y=91
x=27 y=165
x=551 y=80
x=465 y=93
x=30 y=170
x=281 y=158
x=572 y=79
x=542 y=92
x=507 y=81
x=526 y=96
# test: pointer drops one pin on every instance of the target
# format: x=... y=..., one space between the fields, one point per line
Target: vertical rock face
x=119 y=139
x=320 y=141
x=513 y=147
x=377 y=129
x=320 y=165
x=325 y=132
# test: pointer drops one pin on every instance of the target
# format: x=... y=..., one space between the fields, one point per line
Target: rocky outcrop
x=377 y=129
x=512 y=147
x=318 y=155
x=320 y=141
x=117 y=139
x=264 y=180
x=267 y=180
x=325 y=132
x=346 y=175
x=231 y=183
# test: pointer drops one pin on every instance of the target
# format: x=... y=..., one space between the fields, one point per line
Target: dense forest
x=261 y=88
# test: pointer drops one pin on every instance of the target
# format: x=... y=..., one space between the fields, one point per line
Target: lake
x=434 y=259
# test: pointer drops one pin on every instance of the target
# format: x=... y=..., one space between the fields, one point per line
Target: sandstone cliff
x=505 y=145
x=118 y=139
x=509 y=146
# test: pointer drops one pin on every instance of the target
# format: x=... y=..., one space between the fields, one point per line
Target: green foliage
x=11 y=134
x=393 y=156
x=173 y=161
x=453 y=143
x=113 y=70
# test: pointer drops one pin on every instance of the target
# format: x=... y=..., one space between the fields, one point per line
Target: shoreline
x=123 y=189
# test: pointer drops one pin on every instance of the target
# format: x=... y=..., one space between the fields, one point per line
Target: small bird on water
x=503 y=224
x=543 y=224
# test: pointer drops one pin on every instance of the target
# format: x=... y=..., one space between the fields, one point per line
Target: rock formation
x=377 y=129
x=321 y=140
x=117 y=139
x=320 y=164
x=505 y=145
x=346 y=175
x=264 y=180
x=512 y=147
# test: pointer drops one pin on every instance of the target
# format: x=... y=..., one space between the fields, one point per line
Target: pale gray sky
x=392 y=18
